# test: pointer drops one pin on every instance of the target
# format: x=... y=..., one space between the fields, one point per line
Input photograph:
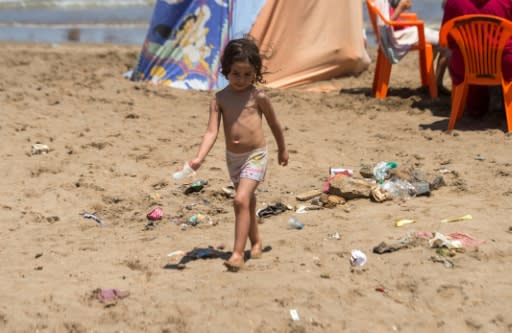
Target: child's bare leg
x=254 y=234
x=242 y=204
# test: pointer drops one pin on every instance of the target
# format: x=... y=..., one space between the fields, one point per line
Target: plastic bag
x=399 y=189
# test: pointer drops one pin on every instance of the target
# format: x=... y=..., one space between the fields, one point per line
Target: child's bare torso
x=242 y=119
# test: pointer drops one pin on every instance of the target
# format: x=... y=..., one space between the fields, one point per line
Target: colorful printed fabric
x=184 y=42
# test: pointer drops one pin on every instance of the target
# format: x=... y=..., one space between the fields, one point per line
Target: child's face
x=242 y=75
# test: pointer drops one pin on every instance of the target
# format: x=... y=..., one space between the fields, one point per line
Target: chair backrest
x=481 y=39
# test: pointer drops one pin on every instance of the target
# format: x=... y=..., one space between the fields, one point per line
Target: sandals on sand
x=276 y=209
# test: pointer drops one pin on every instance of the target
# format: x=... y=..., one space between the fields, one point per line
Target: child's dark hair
x=243 y=49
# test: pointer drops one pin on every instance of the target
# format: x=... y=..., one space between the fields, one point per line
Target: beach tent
x=302 y=40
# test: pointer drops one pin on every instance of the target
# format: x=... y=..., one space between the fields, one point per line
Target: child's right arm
x=209 y=137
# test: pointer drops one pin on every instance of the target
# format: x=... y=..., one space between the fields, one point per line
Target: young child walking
x=241 y=107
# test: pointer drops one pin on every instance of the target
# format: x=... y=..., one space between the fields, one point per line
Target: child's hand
x=283 y=157
x=195 y=163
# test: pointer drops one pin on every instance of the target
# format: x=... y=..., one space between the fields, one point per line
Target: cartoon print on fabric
x=186 y=48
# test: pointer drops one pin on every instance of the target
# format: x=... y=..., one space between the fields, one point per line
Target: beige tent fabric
x=309 y=40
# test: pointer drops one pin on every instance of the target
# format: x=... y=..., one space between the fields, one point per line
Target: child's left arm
x=270 y=116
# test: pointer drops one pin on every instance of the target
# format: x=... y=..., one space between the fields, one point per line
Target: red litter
x=155 y=214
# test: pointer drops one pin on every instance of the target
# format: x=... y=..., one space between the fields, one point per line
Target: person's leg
x=242 y=205
x=442 y=64
x=254 y=234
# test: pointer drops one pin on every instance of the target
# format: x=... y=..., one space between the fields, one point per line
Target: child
x=241 y=106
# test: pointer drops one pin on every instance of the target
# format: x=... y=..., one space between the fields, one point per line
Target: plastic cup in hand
x=185 y=172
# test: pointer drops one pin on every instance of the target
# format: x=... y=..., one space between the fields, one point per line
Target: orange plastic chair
x=481 y=40
x=383 y=66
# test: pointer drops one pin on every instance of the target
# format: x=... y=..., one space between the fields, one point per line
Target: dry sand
x=114 y=145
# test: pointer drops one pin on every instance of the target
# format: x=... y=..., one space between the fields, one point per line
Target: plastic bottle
x=295 y=224
x=381 y=170
x=185 y=172
x=399 y=189
x=196 y=186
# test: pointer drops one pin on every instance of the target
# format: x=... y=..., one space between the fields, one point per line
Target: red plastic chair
x=383 y=66
x=481 y=40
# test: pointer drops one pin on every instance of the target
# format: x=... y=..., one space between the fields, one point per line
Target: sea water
x=115 y=21
x=86 y=21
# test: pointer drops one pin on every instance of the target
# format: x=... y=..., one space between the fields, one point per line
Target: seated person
x=406 y=36
x=478 y=97
x=397 y=7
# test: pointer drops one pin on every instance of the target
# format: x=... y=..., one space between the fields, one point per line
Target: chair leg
x=459 y=94
x=428 y=75
x=423 y=68
x=381 y=76
x=463 y=101
x=507 y=99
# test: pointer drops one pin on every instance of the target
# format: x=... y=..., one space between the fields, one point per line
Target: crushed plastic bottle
x=196 y=186
x=381 y=170
x=399 y=189
x=295 y=224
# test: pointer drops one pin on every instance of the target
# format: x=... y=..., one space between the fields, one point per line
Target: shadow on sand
x=206 y=253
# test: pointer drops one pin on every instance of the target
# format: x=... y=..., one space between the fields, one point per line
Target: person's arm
x=209 y=137
x=270 y=116
x=402 y=7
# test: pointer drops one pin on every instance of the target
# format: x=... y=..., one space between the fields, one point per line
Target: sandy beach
x=114 y=144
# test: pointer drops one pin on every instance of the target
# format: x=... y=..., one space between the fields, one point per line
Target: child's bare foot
x=235 y=263
x=256 y=251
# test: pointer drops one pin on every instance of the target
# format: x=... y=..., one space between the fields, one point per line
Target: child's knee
x=241 y=200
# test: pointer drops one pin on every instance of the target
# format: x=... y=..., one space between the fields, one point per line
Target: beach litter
x=176 y=254
x=333 y=171
x=294 y=314
x=196 y=186
x=402 y=222
x=357 y=258
x=229 y=191
x=110 y=296
x=156 y=214
x=455 y=240
x=466 y=217
x=334 y=235
x=293 y=223
x=445 y=261
x=302 y=209
x=40 y=148
x=200 y=219
x=154 y=196
x=93 y=217
x=408 y=241
x=270 y=210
